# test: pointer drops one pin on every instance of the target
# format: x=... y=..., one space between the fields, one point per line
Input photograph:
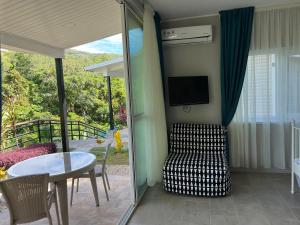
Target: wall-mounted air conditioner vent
x=186 y=35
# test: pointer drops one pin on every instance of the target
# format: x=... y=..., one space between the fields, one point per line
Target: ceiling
x=174 y=9
x=112 y=68
x=60 y=23
x=50 y=26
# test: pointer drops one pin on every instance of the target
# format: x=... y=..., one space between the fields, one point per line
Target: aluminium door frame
x=127 y=74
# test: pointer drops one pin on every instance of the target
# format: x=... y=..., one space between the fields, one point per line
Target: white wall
x=195 y=60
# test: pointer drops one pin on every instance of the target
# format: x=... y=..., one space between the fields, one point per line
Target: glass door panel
x=134 y=46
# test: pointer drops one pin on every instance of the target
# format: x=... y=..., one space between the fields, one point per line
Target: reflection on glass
x=135 y=37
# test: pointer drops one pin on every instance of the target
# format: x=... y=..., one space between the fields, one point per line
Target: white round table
x=60 y=167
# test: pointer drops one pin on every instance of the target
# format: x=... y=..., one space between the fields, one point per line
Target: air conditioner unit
x=187 y=35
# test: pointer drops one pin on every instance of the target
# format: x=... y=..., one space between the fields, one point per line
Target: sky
x=112 y=44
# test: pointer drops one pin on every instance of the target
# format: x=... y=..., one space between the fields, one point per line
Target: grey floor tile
x=249 y=208
x=275 y=214
x=269 y=200
x=296 y=212
x=223 y=220
x=285 y=222
x=223 y=206
x=254 y=219
x=256 y=199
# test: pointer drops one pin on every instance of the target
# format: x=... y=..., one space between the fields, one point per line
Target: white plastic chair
x=100 y=171
x=28 y=198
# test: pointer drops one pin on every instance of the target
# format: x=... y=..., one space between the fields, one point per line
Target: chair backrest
x=106 y=154
x=26 y=197
x=193 y=138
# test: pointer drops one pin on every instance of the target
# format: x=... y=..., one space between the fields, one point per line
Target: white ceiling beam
x=115 y=74
x=17 y=42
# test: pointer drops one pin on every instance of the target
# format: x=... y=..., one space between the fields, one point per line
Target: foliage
x=122 y=115
x=120 y=158
x=30 y=89
x=14 y=91
x=8 y=159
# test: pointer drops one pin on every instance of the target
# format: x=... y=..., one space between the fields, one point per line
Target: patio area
x=90 y=143
x=84 y=210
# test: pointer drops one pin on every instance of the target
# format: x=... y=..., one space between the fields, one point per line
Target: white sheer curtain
x=270 y=99
x=156 y=144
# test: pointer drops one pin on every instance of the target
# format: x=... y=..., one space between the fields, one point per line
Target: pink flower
x=9 y=158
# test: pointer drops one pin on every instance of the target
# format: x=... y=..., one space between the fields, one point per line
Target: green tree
x=22 y=63
x=15 y=102
x=30 y=89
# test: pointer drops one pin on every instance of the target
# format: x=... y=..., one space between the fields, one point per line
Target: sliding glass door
x=133 y=41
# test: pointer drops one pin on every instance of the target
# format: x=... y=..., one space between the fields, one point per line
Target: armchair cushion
x=197 y=164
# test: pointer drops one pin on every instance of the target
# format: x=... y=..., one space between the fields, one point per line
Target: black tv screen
x=188 y=90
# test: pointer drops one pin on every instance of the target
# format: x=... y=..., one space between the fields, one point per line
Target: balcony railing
x=41 y=131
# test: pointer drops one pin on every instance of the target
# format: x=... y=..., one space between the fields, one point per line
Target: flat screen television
x=188 y=90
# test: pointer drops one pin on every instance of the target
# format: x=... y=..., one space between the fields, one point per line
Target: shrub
x=9 y=158
x=122 y=115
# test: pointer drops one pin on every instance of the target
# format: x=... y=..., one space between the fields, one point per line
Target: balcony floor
x=84 y=211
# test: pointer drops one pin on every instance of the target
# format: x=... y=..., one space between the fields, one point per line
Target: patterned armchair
x=196 y=164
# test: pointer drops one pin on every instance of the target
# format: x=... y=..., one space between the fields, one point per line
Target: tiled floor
x=84 y=211
x=256 y=199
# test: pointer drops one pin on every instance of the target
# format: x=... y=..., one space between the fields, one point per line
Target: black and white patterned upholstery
x=196 y=164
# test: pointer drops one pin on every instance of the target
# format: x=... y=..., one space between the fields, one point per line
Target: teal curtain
x=236 y=28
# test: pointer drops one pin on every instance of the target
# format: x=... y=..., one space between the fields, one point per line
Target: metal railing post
x=87 y=131
x=79 y=130
x=51 y=136
x=72 y=137
x=39 y=131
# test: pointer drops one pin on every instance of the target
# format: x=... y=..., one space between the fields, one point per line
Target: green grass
x=120 y=158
